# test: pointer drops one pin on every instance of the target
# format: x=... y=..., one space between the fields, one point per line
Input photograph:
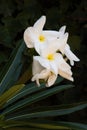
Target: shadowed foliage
x=23 y=105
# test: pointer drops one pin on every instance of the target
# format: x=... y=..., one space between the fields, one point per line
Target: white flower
x=51 y=46
x=37 y=37
x=56 y=64
x=34 y=35
x=50 y=62
x=40 y=72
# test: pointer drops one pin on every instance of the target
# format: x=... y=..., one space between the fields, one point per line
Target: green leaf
x=10 y=93
x=26 y=75
x=51 y=111
x=15 y=76
x=28 y=89
x=22 y=128
x=9 y=69
x=37 y=97
x=75 y=126
x=42 y=124
x=35 y=125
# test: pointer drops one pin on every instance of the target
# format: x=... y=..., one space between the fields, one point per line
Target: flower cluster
x=52 y=47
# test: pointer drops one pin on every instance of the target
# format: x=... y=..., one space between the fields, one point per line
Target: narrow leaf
x=28 y=89
x=35 y=125
x=75 y=126
x=37 y=97
x=10 y=67
x=51 y=112
x=26 y=76
x=42 y=124
x=10 y=93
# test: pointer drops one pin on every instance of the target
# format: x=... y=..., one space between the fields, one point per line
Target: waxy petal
x=62 y=30
x=63 y=68
x=30 y=37
x=51 y=80
x=54 y=67
x=70 y=55
x=51 y=35
x=44 y=62
x=50 y=65
x=39 y=24
x=66 y=75
x=41 y=75
x=27 y=38
x=36 y=67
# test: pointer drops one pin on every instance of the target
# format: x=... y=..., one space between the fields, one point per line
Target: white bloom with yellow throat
x=49 y=64
x=51 y=46
x=39 y=72
x=36 y=37
x=33 y=34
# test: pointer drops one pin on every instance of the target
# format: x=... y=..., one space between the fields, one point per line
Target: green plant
x=21 y=100
x=18 y=109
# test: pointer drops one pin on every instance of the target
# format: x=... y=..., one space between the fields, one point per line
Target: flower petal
x=51 y=80
x=49 y=48
x=30 y=36
x=54 y=67
x=39 y=24
x=27 y=37
x=41 y=75
x=63 y=68
x=62 y=41
x=51 y=35
x=62 y=30
x=66 y=75
x=44 y=62
x=36 y=67
x=35 y=78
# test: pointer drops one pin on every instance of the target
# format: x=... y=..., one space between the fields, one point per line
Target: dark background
x=17 y=15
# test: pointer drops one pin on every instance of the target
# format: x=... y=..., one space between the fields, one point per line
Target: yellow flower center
x=41 y=38
x=50 y=57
